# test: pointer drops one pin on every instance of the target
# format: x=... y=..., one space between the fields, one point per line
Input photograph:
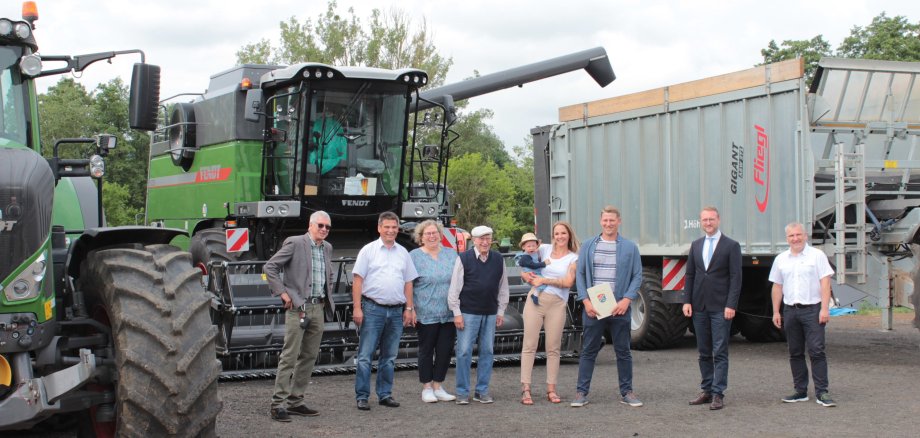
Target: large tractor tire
x=655 y=323
x=210 y=245
x=164 y=372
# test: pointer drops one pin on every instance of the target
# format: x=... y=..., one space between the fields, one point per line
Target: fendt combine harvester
x=244 y=165
x=107 y=325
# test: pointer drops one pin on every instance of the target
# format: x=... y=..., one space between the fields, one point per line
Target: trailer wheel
x=655 y=323
x=182 y=135
x=210 y=245
x=164 y=371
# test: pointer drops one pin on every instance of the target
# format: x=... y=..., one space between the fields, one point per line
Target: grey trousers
x=301 y=347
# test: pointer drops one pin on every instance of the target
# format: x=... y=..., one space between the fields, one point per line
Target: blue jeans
x=803 y=331
x=592 y=343
x=382 y=327
x=712 y=334
x=481 y=328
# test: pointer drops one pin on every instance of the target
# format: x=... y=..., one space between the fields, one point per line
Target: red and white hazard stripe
x=673 y=272
x=449 y=239
x=237 y=239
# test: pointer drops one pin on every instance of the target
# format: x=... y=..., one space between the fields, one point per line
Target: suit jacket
x=718 y=287
x=296 y=261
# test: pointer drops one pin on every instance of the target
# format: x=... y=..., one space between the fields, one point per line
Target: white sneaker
x=428 y=396
x=443 y=395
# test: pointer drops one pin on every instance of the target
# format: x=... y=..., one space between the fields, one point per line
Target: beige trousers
x=301 y=348
x=549 y=315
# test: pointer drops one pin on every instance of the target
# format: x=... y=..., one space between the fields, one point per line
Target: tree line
x=491 y=182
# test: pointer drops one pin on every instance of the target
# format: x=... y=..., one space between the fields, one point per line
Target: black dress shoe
x=279 y=414
x=389 y=402
x=363 y=406
x=303 y=411
x=716 y=403
x=702 y=399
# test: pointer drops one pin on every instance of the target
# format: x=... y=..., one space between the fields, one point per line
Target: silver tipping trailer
x=766 y=149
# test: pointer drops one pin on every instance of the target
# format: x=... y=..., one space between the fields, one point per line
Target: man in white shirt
x=801 y=279
x=382 y=296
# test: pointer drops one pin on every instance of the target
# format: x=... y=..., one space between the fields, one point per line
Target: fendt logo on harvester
x=5 y=225
x=355 y=202
x=762 y=169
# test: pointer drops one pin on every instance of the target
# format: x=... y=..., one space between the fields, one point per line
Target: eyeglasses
x=321 y=226
x=431 y=233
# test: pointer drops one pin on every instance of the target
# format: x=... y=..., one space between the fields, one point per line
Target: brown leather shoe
x=302 y=411
x=702 y=399
x=716 y=403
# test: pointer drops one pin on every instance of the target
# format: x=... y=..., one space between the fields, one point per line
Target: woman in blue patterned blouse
x=435 y=322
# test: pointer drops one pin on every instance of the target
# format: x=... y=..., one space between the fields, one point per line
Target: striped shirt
x=318 y=261
x=605 y=263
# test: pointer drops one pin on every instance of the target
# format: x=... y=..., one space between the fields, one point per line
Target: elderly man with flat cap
x=477 y=297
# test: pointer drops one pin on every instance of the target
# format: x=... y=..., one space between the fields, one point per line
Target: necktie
x=709 y=251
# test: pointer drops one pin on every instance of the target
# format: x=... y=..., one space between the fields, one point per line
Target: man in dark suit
x=305 y=287
x=713 y=286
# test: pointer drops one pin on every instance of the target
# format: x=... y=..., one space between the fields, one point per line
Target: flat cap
x=480 y=231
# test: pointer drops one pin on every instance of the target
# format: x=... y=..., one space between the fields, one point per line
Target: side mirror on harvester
x=253 y=107
x=145 y=96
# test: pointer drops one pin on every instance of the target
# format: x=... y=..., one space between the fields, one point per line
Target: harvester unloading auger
x=243 y=166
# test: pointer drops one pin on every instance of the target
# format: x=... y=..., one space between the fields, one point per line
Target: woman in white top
x=558 y=276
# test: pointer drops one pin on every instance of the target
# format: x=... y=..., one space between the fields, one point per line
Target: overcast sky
x=650 y=43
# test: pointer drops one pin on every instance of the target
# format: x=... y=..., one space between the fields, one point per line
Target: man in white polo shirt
x=382 y=297
x=801 y=279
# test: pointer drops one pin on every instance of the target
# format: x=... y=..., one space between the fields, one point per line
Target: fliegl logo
x=762 y=169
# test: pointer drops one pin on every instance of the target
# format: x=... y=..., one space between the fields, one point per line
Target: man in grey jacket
x=304 y=288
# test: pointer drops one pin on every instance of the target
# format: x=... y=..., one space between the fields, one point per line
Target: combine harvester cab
x=242 y=167
x=765 y=149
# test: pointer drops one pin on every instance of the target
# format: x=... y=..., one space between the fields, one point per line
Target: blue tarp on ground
x=839 y=311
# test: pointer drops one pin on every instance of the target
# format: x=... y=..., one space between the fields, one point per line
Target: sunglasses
x=321 y=226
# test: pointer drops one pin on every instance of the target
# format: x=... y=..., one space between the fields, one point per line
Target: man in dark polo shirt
x=478 y=296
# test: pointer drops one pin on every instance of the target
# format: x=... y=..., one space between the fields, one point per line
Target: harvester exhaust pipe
x=594 y=61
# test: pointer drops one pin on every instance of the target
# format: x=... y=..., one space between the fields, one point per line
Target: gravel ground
x=873 y=378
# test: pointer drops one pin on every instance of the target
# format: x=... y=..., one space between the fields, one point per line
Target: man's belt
x=365 y=297
x=803 y=306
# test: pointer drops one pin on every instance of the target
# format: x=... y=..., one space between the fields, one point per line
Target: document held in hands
x=602 y=299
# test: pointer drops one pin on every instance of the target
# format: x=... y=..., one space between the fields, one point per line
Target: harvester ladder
x=850 y=175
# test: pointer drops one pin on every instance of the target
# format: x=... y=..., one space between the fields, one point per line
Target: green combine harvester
x=242 y=166
x=108 y=326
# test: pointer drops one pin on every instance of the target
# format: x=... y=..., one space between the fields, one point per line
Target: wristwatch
x=409 y=309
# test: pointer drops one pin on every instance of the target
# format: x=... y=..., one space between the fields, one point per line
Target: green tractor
x=102 y=329
x=243 y=165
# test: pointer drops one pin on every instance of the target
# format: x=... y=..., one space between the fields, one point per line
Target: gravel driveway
x=873 y=378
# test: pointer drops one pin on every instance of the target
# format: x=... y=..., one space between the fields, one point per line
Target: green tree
x=118 y=205
x=127 y=164
x=477 y=136
x=890 y=38
x=810 y=50
x=485 y=195
x=388 y=40
x=67 y=110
